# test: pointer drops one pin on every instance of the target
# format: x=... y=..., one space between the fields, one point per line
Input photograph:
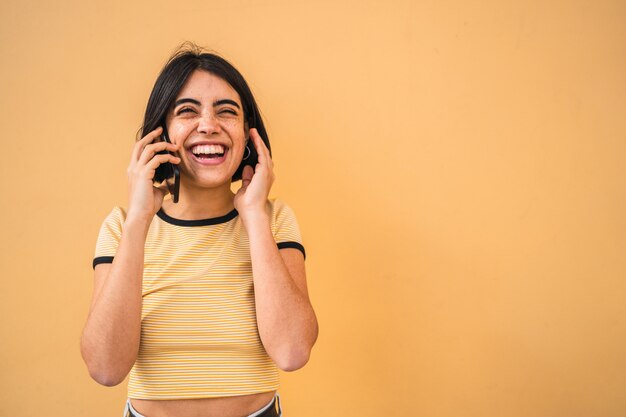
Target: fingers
x=147 y=170
x=143 y=156
x=159 y=159
x=153 y=149
x=141 y=143
x=261 y=149
x=265 y=165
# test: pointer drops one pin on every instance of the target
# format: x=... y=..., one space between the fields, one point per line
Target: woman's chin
x=209 y=180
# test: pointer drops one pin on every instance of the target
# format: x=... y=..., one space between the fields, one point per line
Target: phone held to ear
x=168 y=172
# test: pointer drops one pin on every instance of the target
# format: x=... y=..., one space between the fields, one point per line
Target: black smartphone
x=167 y=171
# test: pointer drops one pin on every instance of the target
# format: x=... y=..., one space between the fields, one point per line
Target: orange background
x=457 y=168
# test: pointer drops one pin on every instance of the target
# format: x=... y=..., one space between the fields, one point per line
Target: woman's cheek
x=178 y=134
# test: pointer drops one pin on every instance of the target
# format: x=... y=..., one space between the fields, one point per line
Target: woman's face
x=207 y=122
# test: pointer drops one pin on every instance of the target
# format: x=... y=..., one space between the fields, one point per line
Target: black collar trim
x=202 y=222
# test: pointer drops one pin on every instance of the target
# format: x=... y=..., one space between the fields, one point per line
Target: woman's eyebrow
x=226 y=101
x=215 y=103
x=186 y=100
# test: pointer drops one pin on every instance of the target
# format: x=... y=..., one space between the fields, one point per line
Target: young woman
x=204 y=299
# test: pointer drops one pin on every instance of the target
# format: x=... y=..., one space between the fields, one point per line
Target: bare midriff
x=239 y=406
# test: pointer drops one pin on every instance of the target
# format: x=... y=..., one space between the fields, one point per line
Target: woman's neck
x=200 y=203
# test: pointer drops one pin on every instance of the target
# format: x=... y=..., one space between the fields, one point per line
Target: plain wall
x=457 y=168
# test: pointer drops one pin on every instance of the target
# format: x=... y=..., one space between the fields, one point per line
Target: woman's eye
x=185 y=110
x=228 y=111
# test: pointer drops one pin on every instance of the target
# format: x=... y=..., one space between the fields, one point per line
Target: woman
x=203 y=299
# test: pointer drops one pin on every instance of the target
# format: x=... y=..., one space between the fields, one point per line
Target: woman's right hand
x=145 y=199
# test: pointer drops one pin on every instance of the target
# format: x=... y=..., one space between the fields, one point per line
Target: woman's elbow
x=292 y=359
x=292 y=363
x=107 y=378
x=104 y=372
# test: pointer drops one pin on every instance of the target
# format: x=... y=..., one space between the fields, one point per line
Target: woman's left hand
x=251 y=198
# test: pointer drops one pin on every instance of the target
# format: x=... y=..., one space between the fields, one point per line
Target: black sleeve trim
x=281 y=245
x=294 y=245
x=102 y=260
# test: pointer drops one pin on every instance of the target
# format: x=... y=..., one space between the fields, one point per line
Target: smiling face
x=207 y=121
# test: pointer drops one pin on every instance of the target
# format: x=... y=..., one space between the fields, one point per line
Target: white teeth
x=207 y=149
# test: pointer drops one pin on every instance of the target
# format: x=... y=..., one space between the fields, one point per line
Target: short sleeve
x=109 y=237
x=285 y=227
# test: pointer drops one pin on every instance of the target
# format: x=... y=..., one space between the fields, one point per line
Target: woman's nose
x=208 y=124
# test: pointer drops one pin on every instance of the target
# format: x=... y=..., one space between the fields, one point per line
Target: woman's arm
x=110 y=339
x=285 y=318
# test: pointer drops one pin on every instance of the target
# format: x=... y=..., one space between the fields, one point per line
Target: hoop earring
x=249 y=153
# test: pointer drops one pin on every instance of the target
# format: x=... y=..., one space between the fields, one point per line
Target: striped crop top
x=199 y=336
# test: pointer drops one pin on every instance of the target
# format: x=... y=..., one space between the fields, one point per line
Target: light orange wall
x=457 y=168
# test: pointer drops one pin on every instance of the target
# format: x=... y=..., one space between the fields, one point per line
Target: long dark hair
x=188 y=58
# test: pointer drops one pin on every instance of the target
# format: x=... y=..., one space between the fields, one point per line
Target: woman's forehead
x=203 y=85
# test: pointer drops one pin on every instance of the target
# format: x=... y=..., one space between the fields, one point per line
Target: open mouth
x=209 y=152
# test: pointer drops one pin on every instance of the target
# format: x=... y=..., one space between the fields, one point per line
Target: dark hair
x=188 y=58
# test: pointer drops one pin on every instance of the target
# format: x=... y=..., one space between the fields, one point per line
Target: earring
x=249 y=153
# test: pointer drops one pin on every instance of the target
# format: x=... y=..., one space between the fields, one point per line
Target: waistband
x=272 y=409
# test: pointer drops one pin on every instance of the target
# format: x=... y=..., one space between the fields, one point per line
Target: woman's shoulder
x=117 y=213
x=276 y=203
x=115 y=218
x=279 y=208
x=282 y=215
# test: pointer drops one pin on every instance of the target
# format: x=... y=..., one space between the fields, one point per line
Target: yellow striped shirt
x=199 y=335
